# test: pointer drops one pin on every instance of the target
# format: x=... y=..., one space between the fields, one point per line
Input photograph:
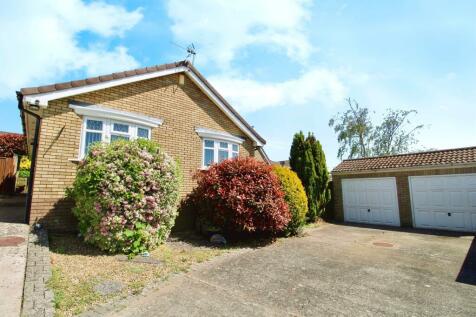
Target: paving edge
x=37 y=298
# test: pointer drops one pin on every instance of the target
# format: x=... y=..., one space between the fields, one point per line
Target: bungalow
x=172 y=104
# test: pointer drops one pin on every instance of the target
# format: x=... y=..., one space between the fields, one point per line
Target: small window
x=223 y=145
x=209 y=144
x=234 y=150
x=94 y=125
x=93 y=133
x=119 y=127
x=143 y=133
x=209 y=157
x=222 y=155
x=115 y=137
x=91 y=137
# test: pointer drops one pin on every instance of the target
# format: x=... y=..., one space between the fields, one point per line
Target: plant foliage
x=240 y=195
x=12 y=143
x=126 y=196
x=295 y=197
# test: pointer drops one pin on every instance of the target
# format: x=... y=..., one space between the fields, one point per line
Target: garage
x=426 y=190
x=371 y=200
x=445 y=202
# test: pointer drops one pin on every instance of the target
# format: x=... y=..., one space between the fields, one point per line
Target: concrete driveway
x=333 y=270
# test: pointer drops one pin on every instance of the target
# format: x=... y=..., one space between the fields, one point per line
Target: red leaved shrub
x=12 y=143
x=240 y=195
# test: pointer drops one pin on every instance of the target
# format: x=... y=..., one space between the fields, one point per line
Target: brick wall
x=182 y=107
x=403 y=190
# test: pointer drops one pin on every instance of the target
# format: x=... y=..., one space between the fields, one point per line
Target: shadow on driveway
x=467 y=274
x=432 y=232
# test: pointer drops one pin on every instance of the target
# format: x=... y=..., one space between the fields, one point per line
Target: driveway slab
x=334 y=270
x=13 y=251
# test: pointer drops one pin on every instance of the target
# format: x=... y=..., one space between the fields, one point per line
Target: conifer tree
x=307 y=159
x=323 y=193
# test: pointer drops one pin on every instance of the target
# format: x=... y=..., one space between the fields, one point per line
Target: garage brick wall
x=182 y=107
x=403 y=190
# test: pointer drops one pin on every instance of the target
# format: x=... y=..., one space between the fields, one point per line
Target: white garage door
x=444 y=202
x=371 y=200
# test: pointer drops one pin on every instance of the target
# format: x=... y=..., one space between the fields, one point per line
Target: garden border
x=37 y=298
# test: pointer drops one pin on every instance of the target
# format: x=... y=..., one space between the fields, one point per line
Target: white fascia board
x=108 y=113
x=43 y=99
x=222 y=107
x=218 y=135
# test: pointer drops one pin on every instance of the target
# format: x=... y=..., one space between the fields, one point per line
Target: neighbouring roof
x=282 y=163
x=95 y=81
x=436 y=158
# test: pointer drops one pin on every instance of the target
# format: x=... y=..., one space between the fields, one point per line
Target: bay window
x=105 y=130
x=218 y=146
x=215 y=151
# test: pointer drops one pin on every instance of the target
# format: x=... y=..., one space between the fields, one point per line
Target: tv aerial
x=190 y=49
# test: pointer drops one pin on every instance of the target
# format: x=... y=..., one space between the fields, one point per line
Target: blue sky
x=285 y=65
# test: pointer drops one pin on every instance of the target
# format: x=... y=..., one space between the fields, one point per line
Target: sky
x=285 y=65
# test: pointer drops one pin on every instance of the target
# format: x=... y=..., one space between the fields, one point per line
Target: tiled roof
x=99 y=79
x=135 y=72
x=421 y=159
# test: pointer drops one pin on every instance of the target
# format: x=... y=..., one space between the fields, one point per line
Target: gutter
x=34 y=153
x=263 y=153
x=407 y=169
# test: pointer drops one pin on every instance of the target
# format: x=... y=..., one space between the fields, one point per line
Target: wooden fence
x=7 y=175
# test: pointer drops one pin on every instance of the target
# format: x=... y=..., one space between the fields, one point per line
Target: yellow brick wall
x=182 y=107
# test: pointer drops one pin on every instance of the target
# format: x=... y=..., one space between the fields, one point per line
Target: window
x=215 y=151
x=93 y=133
x=104 y=130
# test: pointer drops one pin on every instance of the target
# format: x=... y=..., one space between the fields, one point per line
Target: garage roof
x=436 y=158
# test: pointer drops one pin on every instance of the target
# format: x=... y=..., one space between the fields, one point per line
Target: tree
x=296 y=158
x=308 y=161
x=391 y=137
x=358 y=137
x=323 y=192
x=354 y=131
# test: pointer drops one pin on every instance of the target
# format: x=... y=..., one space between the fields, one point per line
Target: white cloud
x=220 y=28
x=39 y=43
x=319 y=86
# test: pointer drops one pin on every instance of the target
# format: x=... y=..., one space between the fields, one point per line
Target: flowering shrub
x=295 y=197
x=25 y=163
x=240 y=196
x=12 y=143
x=24 y=168
x=126 y=196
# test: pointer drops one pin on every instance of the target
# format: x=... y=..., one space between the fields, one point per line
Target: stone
x=218 y=239
x=108 y=287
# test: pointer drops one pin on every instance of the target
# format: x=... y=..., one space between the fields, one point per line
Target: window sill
x=75 y=160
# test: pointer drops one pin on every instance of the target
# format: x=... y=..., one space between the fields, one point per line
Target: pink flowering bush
x=126 y=196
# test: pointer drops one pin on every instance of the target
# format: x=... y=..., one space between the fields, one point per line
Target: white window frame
x=216 y=148
x=107 y=132
x=216 y=137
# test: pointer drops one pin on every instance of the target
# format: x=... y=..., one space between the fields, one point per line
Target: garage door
x=444 y=202
x=371 y=200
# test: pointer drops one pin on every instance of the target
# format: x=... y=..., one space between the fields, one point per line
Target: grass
x=78 y=267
